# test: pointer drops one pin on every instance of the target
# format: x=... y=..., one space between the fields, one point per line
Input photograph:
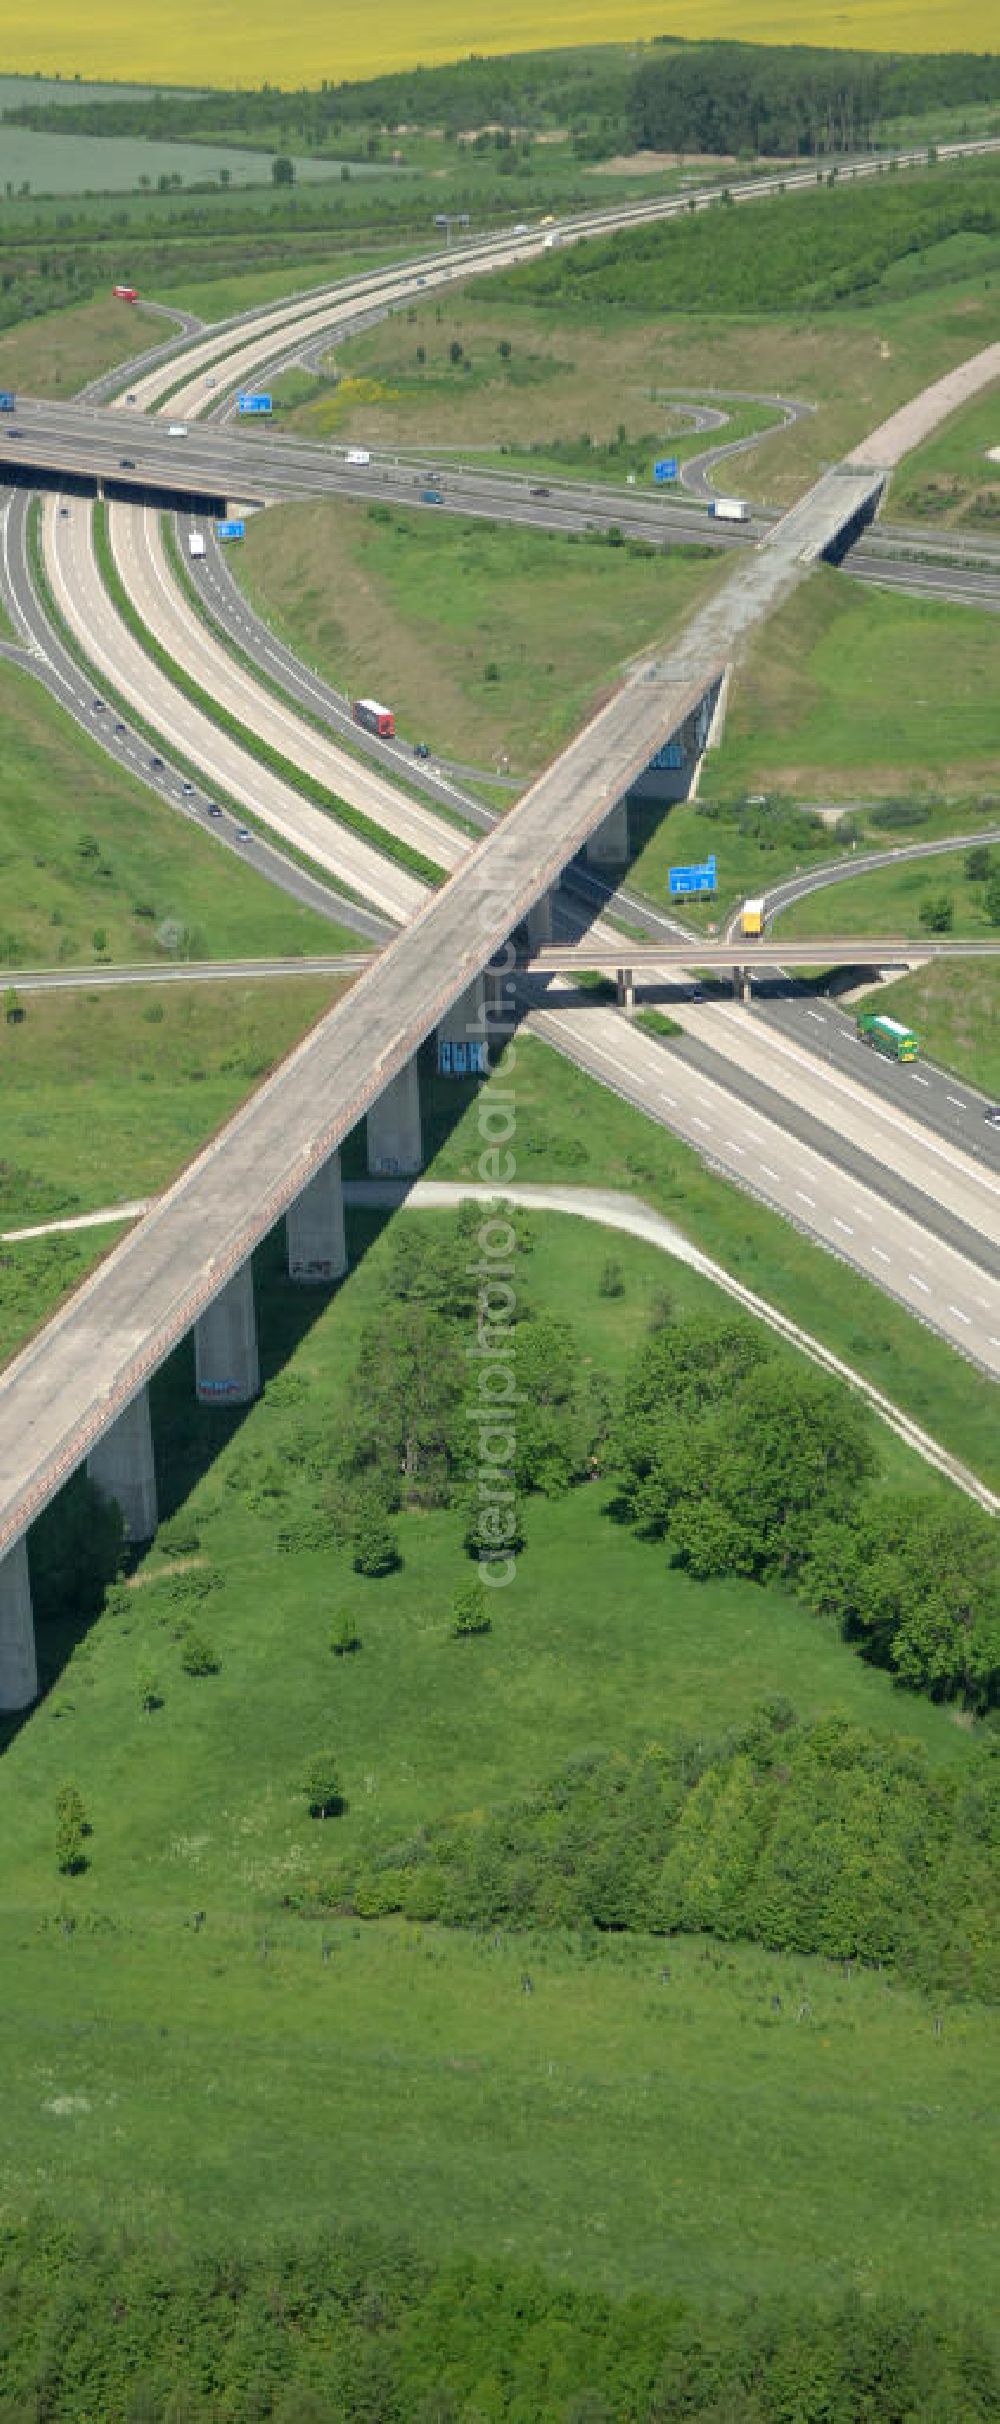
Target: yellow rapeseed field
x=247 y=42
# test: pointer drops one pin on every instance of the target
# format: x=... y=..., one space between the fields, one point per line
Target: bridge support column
x=395 y=1142
x=608 y=847
x=466 y=1023
x=539 y=922
x=226 y=1364
x=626 y=989
x=122 y=1468
x=314 y=1229
x=18 y=1671
x=742 y=986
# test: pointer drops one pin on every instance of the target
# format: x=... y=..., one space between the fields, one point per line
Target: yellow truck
x=752 y=917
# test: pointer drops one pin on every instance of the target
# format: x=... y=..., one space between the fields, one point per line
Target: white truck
x=359 y=455
x=729 y=509
x=196 y=544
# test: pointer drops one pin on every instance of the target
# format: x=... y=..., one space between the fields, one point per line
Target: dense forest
x=835 y=246
x=357 y=2331
x=722 y=97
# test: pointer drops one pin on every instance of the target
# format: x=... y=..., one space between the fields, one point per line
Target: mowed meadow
x=245 y=45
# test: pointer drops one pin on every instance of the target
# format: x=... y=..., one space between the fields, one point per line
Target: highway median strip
x=340 y=811
x=125 y=708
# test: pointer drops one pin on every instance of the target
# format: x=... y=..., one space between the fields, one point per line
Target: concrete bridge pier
x=122 y=1468
x=625 y=981
x=314 y=1229
x=608 y=847
x=18 y=1671
x=395 y=1139
x=539 y=922
x=467 y=1020
x=226 y=1363
x=742 y=986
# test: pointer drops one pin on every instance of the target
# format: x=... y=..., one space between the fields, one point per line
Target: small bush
x=612 y=1279
x=376 y=1549
x=346 y=1638
x=72 y=1829
x=937 y=913
x=469 y=1612
x=197 y=1655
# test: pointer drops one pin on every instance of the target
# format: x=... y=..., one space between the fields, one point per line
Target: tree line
x=794 y=102
x=356 y=2329
x=829 y=248
x=824 y=1838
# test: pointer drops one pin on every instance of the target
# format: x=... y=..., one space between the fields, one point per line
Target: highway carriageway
x=827 y=951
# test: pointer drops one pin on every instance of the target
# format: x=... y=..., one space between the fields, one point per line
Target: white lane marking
x=920 y=1081
x=918 y=1254
x=960 y=1316
x=804 y=1198
x=917 y=1282
x=814 y=1014
x=769 y=1173
x=957 y=1100
x=734 y=1147
x=843 y=1224
x=701 y=1123
x=882 y=1257
x=671 y=1099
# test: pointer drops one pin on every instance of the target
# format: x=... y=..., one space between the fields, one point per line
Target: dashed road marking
x=917 y=1282
x=733 y=1146
x=700 y=1123
x=843 y=1224
x=804 y=1198
x=960 y=1316
x=920 y=1081
x=769 y=1173
x=814 y=1014
x=883 y=1257
x=957 y=1100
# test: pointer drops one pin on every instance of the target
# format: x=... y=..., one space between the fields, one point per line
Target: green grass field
x=855 y=693
x=85 y=851
x=956 y=1013
x=61 y=351
x=420 y=609
x=565 y=379
x=888 y=901
x=570 y=1128
x=951 y=478
x=231 y=2081
x=107 y=1094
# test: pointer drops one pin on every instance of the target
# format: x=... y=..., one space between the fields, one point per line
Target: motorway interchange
x=902 y=1184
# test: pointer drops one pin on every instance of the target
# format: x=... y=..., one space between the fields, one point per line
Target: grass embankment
x=570 y=1128
x=956 y=1013
x=35 y=1277
x=609 y=2122
x=488 y=640
x=107 y=1095
x=890 y=899
x=97 y=868
x=62 y=351
x=341 y=811
x=568 y=378
x=951 y=479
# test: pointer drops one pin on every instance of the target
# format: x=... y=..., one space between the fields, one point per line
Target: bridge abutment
x=539 y=922
x=314 y=1229
x=122 y=1467
x=18 y=1668
x=226 y=1363
x=395 y=1137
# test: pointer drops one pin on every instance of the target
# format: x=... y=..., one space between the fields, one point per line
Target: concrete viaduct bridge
x=79 y=1390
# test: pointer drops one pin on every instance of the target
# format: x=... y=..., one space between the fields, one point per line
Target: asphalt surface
x=44 y=656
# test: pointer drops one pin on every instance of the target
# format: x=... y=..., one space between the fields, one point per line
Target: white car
x=358 y=455
x=177 y=429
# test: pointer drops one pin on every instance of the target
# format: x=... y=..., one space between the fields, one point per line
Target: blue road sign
x=230 y=530
x=462 y=1060
x=252 y=403
x=692 y=879
x=667 y=469
x=669 y=759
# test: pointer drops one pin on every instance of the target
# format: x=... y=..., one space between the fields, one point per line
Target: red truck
x=374 y=717
x=125 y=294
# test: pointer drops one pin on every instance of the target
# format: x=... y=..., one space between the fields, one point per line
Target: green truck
x=888 y=1036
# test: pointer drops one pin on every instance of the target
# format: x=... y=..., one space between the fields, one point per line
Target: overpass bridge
x=744 y=957
x=79 y=1390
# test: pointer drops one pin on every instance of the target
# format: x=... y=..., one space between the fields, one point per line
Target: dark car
x=130 y=399
x=541 y=492
x=121 y=729
x=97 y=706
x=213 y=808
x=992 y=1116
x=157 y=765
x=126 y=463
x=431 y=496
x=243 y=833
x=15 y=433
x=421 y=749
x=188 y=790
